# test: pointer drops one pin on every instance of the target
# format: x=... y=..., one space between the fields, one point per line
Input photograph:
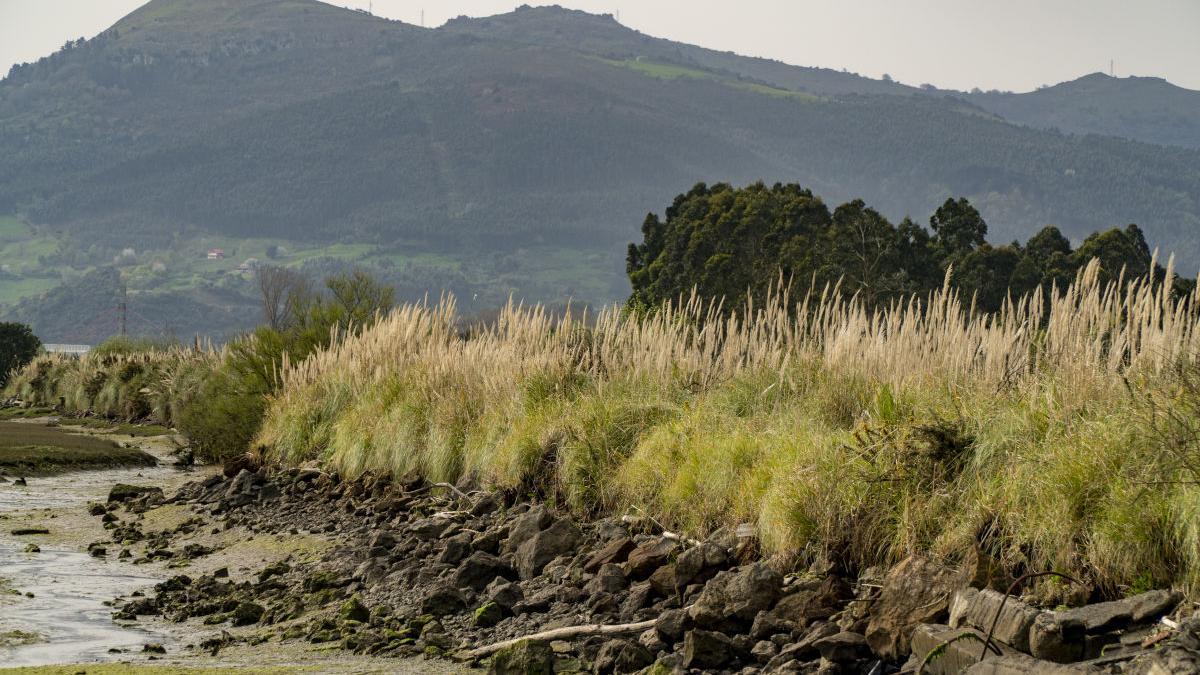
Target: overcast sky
x=992 y=44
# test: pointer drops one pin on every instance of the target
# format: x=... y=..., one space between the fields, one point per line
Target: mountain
x=1147 y=109
x=512 y=154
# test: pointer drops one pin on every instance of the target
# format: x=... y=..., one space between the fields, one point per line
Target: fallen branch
x=565 y=633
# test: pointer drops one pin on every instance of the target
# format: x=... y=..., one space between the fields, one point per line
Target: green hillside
x=516 y=154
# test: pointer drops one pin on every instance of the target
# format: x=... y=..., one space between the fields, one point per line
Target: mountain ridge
x=506 y=148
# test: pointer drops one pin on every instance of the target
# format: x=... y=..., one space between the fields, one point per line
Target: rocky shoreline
x=415 y=569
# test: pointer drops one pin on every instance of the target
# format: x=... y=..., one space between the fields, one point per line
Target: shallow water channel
x=67 y=612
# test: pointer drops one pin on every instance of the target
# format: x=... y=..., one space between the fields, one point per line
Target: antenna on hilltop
x=422 y=18
x=1110 y=68
x=618 y=15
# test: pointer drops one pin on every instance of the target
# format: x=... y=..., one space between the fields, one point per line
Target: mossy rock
x=488 y=615
x=354 y=610
x=527 y=657
x=246 y=613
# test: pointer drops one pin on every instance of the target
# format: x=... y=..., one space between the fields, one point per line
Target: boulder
x=977 y=609
x=124 y=493
x=444 y=600
x=525 y=526
x=353 y=609
x=843 y=647
x=672 y=624
x=479 y=570
x=457 y=548
x=610 y=579
x=531 y=556
x=737 y=596
x=615 y=551
x=488 y=615
x=527 y=657
x=915 y=591
x=814 y=601
x=952 y=658
x=699 y=563
x=1083 y=632
x=648 y=557
x=504 y=593
x=246 y=613
x=621 y=656
x=706 y=650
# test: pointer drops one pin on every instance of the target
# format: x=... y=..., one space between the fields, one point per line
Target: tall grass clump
x=1051 y=434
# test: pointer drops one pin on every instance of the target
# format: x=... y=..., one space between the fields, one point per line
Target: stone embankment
x=518 y=587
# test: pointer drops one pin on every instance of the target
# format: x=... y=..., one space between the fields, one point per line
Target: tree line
x=735 y=243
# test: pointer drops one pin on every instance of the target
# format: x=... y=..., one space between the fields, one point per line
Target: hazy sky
x=991 y=44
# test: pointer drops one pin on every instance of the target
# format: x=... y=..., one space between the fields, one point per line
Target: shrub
x=18 y=346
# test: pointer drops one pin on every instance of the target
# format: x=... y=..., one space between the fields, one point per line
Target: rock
x=486 y=504
x=955 y=657
x=621 y=656
x=488 y=542
x=610 y=579
x=663 y=580
x=1083 y=632
x=648 y=557
x=532 y=555
x=246 y=613
x=977 y=609
x=763 y=651
x=767 y=624
x=915 y=591
x=479 y=570
x=381 y=539
x=96 y=509
x=444 y=600
x=706 y=649
x=526 y=526
x=20 y=482
x=637 y=598
x=25 y=531
x=504 y=593
x=488 y=615
x=457 y=548
x=843 y=647
x=817 y=601
x=97 y=550
x=154 y=648
x=354 y=610
x=615 y=551
x=124 y=493
x=699 y=563
x=32 y=548
x=527 y=657
x=428 y=529
x=737 y=595
x=650 y=640
x=805 y=649
x=672 y=624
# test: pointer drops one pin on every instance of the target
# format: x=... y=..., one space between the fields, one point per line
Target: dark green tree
x=18 y=346
x=958 y=229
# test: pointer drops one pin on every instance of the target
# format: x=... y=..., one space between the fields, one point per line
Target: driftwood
x=565 y=633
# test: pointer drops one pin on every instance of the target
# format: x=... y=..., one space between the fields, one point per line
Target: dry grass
x=844 y=435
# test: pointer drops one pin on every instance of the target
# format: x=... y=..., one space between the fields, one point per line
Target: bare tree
x=283 y=292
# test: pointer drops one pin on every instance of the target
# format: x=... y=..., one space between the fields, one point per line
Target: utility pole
x=422 y=18
x=1110 y=68
x=123 y=307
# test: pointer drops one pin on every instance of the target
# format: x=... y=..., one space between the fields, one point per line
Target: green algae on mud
x=32 y=449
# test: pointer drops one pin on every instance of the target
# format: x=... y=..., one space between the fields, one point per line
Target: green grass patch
x=667 y=71
x=30 y=449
